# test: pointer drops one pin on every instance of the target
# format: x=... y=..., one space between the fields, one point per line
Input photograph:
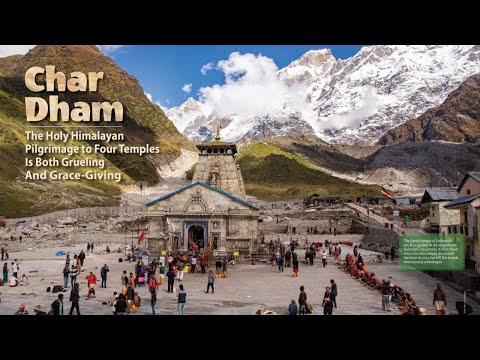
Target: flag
x=141 y=237
x=386 y=193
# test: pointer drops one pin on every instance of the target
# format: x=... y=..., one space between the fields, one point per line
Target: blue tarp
x=60 y=253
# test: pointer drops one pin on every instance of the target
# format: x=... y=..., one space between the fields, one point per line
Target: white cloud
x=108 y=49
x=252 y=89
x=206 y=67
x=187 y=88
x=353 y=117
x=7 y=50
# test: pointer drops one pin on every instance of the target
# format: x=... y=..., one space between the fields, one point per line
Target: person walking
x=327 y=302
x=91 y=283
x=153 y=301
x=57 y=306
x=91 y=248
x=153 y=284
x=77 y=263
x=280 y=264
x=103 y=274
x=180 y=267
x=162 y=274
x=14 y=269
x=88 y=248
x=5 y=273
x=124 y=278
x=182 y=299
x=203 y=262
x=81 y=256
x=392 y=253
x=211 y=280
x=132 y=280
x=333 y=292
x=224 y=267
x=292 y=308
x=288 y=256
x=295 y=267
x=439 y=300
x=324 y=258
x=302 y=300
x=193 y=261
x=73 y=275
x=75 y=298
x=113 y=301
x=170 y=279
x=66 y=272
x=386 y=252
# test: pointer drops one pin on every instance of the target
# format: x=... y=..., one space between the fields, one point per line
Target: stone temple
x=213 y=211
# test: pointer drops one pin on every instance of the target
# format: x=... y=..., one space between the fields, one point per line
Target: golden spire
x=217 y=136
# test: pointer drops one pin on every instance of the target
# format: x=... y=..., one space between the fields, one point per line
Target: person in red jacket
x=91 y=283
x=203 y=262
x=153 y=285
x=195 y=248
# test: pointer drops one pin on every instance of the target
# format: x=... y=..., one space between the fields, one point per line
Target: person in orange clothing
x=78 y=263
x=132 y=279
x=91 y=283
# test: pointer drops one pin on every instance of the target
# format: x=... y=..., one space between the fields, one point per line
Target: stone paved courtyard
x=247 y=288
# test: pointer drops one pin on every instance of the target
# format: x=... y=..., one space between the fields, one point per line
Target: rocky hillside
x=456 y=120
x=271 y=173
x=405 y=168
x=143 y=123
x=434 y=164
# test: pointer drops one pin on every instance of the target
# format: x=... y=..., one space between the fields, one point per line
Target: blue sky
x=164 y=69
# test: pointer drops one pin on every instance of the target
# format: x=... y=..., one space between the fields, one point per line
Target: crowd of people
x=127 y=300
x=355 y=266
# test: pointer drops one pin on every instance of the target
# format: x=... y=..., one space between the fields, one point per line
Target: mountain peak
x=314 y=58
x=190 y=105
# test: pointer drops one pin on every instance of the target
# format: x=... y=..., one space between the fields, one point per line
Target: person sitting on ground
x=137 y=301
x=396 y=295
x=292 y=308
x=403 y=305
x=24 y=280
x=218 y=268
x=38 y=310
x=13 y=281
x=21 y=310
x=107 y=250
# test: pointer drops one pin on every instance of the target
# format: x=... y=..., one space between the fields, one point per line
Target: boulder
x=68 y=221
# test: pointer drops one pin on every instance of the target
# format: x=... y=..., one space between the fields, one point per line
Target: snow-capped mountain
x=184 y=114
x=345 y=101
